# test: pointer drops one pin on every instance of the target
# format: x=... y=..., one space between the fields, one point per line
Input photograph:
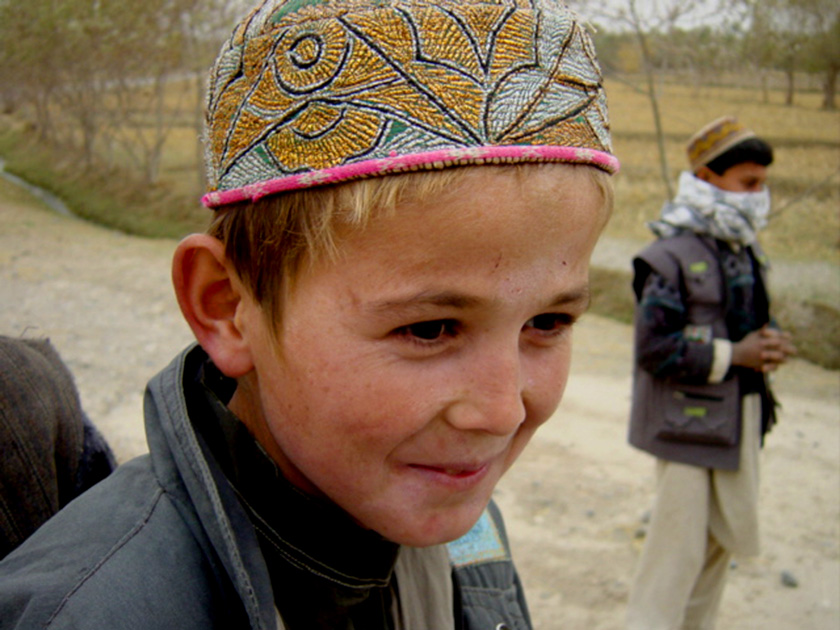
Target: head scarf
x=707 y=210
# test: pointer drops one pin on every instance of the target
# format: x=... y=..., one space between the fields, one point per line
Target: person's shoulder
x=675 y=242
x=119 y=553
x=673 y=251
x=657 y=256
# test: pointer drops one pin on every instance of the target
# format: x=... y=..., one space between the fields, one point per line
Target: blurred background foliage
x=101 y=104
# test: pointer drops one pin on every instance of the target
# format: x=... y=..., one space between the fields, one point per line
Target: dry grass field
x=803 y=236
x=804 y=230
x=805 y=179
x=807 y=143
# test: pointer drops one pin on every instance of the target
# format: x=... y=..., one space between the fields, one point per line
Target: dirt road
x=574 y=503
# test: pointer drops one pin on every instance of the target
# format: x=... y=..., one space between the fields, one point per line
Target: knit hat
x=313 y=92
x=715 y=139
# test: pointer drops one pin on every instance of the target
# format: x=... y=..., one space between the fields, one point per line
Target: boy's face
x=411 y=373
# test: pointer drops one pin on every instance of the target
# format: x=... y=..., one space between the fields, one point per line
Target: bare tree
x=28 y=68
x=646 y=19
x=822 y=48
x=100 y=74
x=795 y=36
x=204 y=32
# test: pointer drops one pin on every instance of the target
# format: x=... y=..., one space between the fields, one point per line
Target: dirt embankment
x=573 y=503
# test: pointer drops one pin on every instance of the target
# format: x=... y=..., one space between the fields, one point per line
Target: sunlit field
x=804 y=180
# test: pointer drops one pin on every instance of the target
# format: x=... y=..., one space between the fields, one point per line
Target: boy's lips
x=455 y=476
x=452 y=470
x=457 y=468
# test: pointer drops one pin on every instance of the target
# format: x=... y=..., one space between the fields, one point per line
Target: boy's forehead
x=508 y=209
x=308 y=93
x=482 y=260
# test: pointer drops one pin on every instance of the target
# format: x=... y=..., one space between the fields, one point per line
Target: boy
x=701 y=400
x=376 y=347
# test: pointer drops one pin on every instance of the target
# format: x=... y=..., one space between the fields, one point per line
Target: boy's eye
x=429 y=331
x=550 y=322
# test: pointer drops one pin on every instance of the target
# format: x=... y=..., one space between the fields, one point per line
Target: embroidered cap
x=715 y=139
x=313 y=92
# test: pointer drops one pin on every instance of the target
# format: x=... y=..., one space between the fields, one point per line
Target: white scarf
x=705 y=209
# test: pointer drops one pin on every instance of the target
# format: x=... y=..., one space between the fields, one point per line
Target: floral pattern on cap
x=311 y=92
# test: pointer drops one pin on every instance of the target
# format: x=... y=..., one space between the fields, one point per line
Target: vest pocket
x=700 y=414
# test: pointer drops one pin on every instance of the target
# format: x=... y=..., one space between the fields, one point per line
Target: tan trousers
x=700 y=519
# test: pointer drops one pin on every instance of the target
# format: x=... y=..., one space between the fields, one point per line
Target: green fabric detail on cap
x=699 y=267
x=292 y=6
x=260 y=152
x=395 y=129
x=312 y=89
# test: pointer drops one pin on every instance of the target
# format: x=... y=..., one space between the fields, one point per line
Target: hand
x=763 y=350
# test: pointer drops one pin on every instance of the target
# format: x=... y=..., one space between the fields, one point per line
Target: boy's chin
x=438 y=529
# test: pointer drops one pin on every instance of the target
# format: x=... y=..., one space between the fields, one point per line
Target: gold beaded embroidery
x=304 y=85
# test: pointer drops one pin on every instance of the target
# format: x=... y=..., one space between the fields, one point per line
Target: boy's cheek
x=549 y=385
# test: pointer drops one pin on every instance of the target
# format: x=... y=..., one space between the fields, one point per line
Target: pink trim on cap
x=415 y=162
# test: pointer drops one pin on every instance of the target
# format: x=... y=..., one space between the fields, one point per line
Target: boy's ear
x=211 y=299
x=704 y=173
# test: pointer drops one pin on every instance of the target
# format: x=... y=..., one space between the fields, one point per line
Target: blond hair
x=269 y=241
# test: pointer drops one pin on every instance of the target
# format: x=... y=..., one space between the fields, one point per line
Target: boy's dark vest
x=690 y=262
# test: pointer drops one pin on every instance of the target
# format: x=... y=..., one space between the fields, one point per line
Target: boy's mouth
x=455 y=472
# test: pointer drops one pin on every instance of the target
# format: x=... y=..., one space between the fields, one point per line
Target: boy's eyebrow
x=582 y=294
x=443 y=298
x=464 y=301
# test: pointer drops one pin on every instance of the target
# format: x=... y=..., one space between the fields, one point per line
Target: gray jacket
x=165 y=543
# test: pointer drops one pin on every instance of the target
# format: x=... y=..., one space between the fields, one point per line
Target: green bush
x=107 y=196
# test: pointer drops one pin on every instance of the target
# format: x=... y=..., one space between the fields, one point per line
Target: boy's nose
x=492 y=397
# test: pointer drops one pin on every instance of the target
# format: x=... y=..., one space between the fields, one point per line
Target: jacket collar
x=197 y=486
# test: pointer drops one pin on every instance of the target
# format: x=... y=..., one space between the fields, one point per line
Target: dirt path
x=574 y=502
